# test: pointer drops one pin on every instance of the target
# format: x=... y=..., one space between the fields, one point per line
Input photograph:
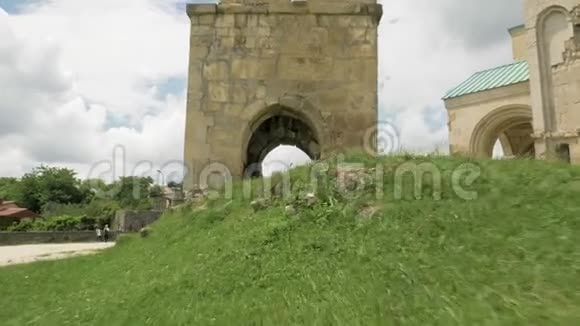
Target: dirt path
x=11 y=255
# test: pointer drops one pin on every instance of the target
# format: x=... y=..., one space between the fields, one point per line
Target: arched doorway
x=279 y=126
x=507 y=130
x=553 y=29
x=283 y=158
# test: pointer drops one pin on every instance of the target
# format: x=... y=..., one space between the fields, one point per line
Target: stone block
x=216 y=70
x=354 y=21
x=202 y=30
x=342 y=7
x=361 y=51
x=336 y=98
x=194 y=9
x=206 y=20
x=195 y=84
x=250 y=42
x=219 y=91
x=305 y=68
x=241 y=20
x=234 y=109
x=227 y=42
x=267 y=20
x=260 y=93
x=213 y=107
x=225 y=20
x=252 y=20
x=194 y=20
x=357 y=35
x=238 y=8
x=240 y=94
x=257 y=32
x=239 y=42
x=252 y=68
x=201 y=43
x=225 y=31
x=357 y=70
x=265 y=45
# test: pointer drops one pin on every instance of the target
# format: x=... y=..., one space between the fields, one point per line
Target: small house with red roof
x=10 y=213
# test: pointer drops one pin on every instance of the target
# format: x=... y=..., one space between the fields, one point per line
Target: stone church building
x=531 y=106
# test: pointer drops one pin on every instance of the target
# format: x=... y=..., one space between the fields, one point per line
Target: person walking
x=106 y=232
x=99 y=234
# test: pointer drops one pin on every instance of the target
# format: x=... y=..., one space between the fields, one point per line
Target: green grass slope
x=509 y=257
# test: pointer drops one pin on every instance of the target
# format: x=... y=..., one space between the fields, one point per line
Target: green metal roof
x=492 y=78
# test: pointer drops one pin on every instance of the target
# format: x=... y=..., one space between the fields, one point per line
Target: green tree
x=156 y=191
x=50 y=184
x=132 y=192
x=9 y=188
x=175 y=185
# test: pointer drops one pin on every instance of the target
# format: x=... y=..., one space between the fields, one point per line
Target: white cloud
x=68 y=65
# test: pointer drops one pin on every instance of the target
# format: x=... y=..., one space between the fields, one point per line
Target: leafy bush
x=23 y=226
x=57 y=223
x=98 y=211
x=63 y=223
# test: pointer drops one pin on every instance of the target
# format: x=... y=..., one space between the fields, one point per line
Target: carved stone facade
x=270 y=72
x=545 y=105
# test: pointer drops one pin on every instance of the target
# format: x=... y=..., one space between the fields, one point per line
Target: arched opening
x=283 y=158
x=504 y=133
x=514 y=142
x=553 y=30
x=279 y=126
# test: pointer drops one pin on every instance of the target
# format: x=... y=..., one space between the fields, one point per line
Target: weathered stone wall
x=519 y=49
x=555 y=90
x=21 y=238
x=318 y=59
x=567 y=96
x=133 y=221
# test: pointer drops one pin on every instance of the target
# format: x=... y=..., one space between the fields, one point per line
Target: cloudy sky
x=81 y=79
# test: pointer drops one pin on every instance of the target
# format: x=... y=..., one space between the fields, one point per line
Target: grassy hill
x=509 y=257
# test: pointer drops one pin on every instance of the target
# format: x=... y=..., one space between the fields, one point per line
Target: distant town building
x=11 y=213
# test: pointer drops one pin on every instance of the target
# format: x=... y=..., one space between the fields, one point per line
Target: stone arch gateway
x=512 y=126
x=278 y=125
x=272 y=72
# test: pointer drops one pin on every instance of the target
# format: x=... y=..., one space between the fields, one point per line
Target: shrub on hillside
x=63 y=223
x=23 y=226
x=57 y=223
x=98 y=211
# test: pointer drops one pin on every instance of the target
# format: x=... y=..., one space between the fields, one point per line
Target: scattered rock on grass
x=259 y=204
x=144 y=232
x=311 y=199
x=290 y=210
x=369 y=211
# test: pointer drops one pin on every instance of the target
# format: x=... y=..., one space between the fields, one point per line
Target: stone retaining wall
x=21 y=238
x=133 y=221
